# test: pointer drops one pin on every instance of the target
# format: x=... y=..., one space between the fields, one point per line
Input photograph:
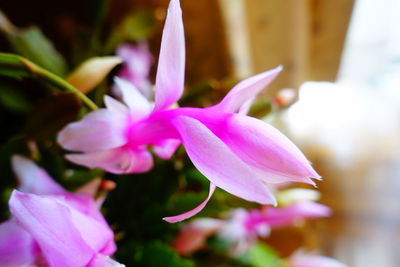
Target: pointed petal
x=114 y=105
x=137 y=103
x=171 y=63
x=246 y=89
x=99 y=130
x=191 y=213
x=50 y=224
x=166 y=148
x=219 y=164
x=33 y=179
x=263 y=147
x=16 y=245
x=280 y=217
x=118 y=161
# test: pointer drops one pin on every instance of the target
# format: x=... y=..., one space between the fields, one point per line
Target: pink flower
x=305 y=260
x=237 y=153
x=53 y=227
x=243 y=228
x=289 y=215
x=137 y=62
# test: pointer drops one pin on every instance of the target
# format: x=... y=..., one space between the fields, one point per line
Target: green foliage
x=12 y=98
x=261 y=255
x=138 y=26
x=51 y=114
x=34 y=45
x=157 y=254
x=134 y=27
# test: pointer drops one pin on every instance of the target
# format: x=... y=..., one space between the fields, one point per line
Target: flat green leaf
x=11 y=66
x=34 y=45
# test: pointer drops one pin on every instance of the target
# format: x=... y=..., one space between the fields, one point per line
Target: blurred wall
x=306 y=36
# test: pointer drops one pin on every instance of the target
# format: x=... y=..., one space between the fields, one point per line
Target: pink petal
x=114 y=105
x=245 y=107
x=171 y=63
x=219 y=164
x=191 y=213
x=166 y=148
x=104 y=261
x=100 y=129
x=137 y=103
x=17 y=247
x=280 y=217
x=90 y=207
x=301 y=260
x=234 y=229
x=118 y=160
x=246 y=89
x=50 y=224
x=137 y=64
x=33 y=179
x=263 y=147
x=95 y=233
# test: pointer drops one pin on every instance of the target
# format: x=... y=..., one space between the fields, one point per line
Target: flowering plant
x=114 y=145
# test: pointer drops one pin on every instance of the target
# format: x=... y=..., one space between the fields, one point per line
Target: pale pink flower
x=51 y=226
x=242 y=228
x=237 y=153
x=308 y=260
x=137 y=62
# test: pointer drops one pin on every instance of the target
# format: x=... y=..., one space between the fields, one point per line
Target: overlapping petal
x=102 y=129
x=33 y=179
x=61 y=230
x=219 y=164
x=17 y=247
x=48 y=221
x=138 y=104
x=119 y=160
x=262 y=146
x=166 y=148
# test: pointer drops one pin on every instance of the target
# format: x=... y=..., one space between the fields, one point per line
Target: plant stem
x=17 y=62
